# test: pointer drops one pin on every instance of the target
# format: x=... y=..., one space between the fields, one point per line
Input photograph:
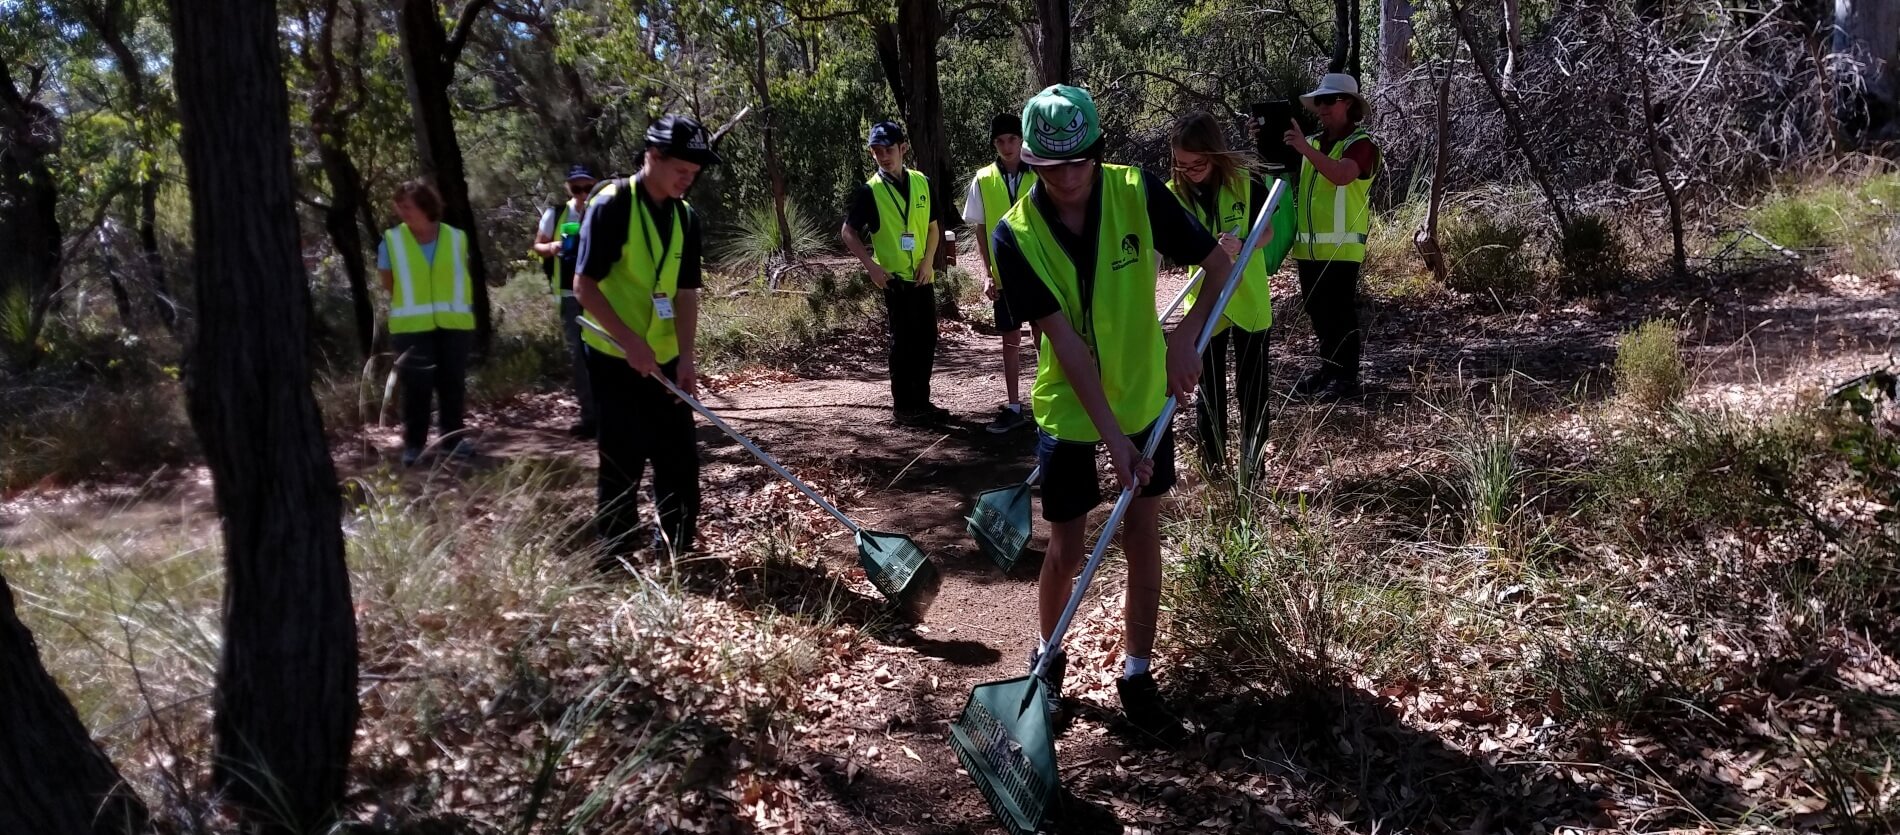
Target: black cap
x=682 y=137
x=578 y=171
x=1006 y=124
x=886 y=133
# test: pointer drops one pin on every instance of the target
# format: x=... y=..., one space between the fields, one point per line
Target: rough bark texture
x=1426 y=240
x=1513 y=39
x=286 y=696
x=429 y=54
x=335 y=101
x=1867 y=68
x=29 y=218
x=1395 y=40
x=774 y=171
x=53 y=778
x=1054 y=57
x=1342 y=36
x=920 y=26
x=1659 y=162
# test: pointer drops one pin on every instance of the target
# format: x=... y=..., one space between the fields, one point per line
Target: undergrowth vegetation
x=504 y=682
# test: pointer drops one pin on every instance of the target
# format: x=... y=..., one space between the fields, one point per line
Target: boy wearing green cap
x=1076 y=256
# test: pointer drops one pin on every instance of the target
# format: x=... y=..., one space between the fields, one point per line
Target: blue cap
x=578 y=171
x=885 y=133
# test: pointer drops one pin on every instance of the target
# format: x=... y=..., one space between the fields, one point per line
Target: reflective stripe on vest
x=1118 y=325
x=993 y=188
x=631 y=284
x=1338 y=235
x=1251 y=307
x=429 y=295
x=893 y=220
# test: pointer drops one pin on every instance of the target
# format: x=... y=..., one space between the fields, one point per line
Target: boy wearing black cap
x=558 y=242
x=639 y=279
x=992 y=192
x=892 y=210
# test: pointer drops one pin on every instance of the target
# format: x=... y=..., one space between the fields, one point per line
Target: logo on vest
x=1238 y=211
x=1131 y=251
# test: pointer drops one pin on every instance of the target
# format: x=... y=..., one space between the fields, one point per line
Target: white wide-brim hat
x=1338 y=83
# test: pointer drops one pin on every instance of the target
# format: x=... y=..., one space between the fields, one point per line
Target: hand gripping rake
x=1003 y=738
x=894 y=563
x=999 y=519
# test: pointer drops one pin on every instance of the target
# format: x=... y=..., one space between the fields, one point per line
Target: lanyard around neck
x=903 y=206
x=648 y=228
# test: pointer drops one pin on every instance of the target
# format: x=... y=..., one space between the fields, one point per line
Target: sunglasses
x=580 y=189
x=1329 y=99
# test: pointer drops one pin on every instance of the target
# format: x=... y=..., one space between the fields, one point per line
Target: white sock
x=1042 y=644
x=1014 y=407
x=1133 y=666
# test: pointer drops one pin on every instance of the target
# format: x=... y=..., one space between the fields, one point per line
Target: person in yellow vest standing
x=423 y=263
x=1334 y=211
x=638 y=279
x=892 y=210
x=1077 y=256
x=557 y=241
x=992 y=192
x=1216 y=185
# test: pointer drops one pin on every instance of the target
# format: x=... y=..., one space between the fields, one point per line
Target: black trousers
x=1252 y=373
x=642 y=423
x=913 y=319
x=432 y=363
x=577 y=352
x=1329 y=292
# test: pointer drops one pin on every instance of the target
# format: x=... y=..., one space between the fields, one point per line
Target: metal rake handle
x=743 y=440
x=1160 y=427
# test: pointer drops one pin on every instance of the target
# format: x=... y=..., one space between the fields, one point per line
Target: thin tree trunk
x=339 y=220
x=1342 y=36
x=774 y=172
x=1354 y=36
x=890 y=59
x=1867 y=69
x=29 y=211
x=1055 y=60
x=920 y=24
x=1513 y=40
x=1395 y=40
x=1427 y=239
x=109 y=24
x=1659 y=162
x=429 y=54
x=1511 y=121
x=286 y=694
x=53 y=777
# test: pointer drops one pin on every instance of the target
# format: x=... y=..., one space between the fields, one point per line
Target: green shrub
x=1591 y=258
x=1649 y=367
x=1393 y=268
x=63 y=434
x=754 y=242
x=1855 y=225
x=775 y=328
x=1487 y=253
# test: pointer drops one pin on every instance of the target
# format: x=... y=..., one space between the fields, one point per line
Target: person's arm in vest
x=926 y=269
x=596 y=259
x=686 y=306
x=973 y=215
x=382 y=265
x=1184 y=240
x=1339 y=172
x=860 y=213
x=544 y=243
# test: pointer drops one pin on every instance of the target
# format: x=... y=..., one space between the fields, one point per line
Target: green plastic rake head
x=1004 y=740
x=1000 y=523
x=899 y=570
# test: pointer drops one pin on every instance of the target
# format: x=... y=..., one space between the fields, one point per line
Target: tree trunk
x=1395 y=40
x=1426 y=241
x=1511 y=121
x=1658 y=160
x=1867 y=69
x=920 y=26
x=53 y=777
x=884 y=37
x=1513 y=39
x=109 y=23
x=286 y=689
x=774 y=172
x=428 y=61
x=29 y=214
x=1054 y=58
x=339 y=219
x=1342 y=36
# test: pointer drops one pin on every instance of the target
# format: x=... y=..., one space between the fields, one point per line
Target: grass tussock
x=1649 y=370
x=1855 y=224
x=503 y=683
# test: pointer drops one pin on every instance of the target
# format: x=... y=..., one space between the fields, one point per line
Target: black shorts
x=1004 y=321
x=1070 y=484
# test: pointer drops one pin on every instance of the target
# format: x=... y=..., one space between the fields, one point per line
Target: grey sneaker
x=464 y=449
x=1052 y=677
x=410 y=455
x=1007 y=420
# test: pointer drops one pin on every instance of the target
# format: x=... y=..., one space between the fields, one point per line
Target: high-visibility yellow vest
x=649 y=265
x=993 y=188
x=1333 y=220
x=1118 y=322
x=1251 y=308
x=895 y=217
x=429 y=295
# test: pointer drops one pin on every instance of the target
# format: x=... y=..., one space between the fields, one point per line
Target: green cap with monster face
x=1060 y=126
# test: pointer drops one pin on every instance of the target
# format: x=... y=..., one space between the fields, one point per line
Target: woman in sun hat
x=1334 y=214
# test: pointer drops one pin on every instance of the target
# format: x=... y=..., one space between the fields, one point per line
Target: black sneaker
x=1338 y=389
x=912 y=417
x=1311 y=382
x=936 y=413
x=1007 y=420
x=1146 y=710
x=1052 y=678
x=410 y=455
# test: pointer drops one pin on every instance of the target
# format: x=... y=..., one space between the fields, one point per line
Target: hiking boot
x=410 y=455
x=1052 y=678
x=1007 y=420
x=1311 y=382
x=913 y=418
x=1338 y=389
x=583 y=430
x=1146 y=710
x=936 y=413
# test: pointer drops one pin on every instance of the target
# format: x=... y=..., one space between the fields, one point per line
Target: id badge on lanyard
x=662 y=306
x=907 y=242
